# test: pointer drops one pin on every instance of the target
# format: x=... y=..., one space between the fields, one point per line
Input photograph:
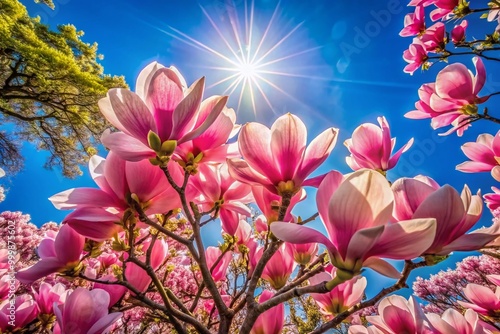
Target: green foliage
x=304 y=314
x=50 y=82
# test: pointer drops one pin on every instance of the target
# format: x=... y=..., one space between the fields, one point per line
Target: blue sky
x=349 y=70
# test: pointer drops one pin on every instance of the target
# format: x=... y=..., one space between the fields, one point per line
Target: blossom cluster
x=132 y=250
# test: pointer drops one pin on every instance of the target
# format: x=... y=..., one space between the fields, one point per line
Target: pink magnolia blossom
x=342 y=297
x=458 y=32
x=455 y=322
x=272 y=320
x=121 y=185
x=424 y=3
x=137 y=276
x=455 y=214
x=277 y=158
x=398 y=315
x=452 y=98
x=216 y=188
x=356 y=214
x=415 y=56
x=304 y=253
x=414 y=23
x=434 y=37
x=444 y=9
x=85 y=312
x=279 y=268
x=163 y=105
x=371 y=147
x=211 y=145
x=481 y=299
x=47 y=295
x=115 y=291
x=261 y=225
x=25 y=311
x=217 y=269
x=243 y=232
x=493 y=199
x=484 y=155
x=57 y=254
x=269 y=203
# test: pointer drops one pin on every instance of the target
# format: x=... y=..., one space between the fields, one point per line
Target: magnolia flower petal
x=316 y=152
x=128 y=148
x=405 y=240
x=288 y=142
x=298 y=234
x=382 y=267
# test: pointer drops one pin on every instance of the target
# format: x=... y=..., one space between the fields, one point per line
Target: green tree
x=50 y=82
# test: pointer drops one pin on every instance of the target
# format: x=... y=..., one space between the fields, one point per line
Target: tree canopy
x=50 y=82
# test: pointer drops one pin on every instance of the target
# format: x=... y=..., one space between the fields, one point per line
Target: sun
x=249 y=56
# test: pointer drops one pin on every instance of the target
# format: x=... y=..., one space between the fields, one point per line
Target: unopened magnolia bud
x=154 y=141
x=168 y=147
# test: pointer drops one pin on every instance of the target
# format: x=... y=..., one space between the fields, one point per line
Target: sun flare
x=250 y=56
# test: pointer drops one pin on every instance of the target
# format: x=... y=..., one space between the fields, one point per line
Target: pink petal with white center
x=134 y=116
x=82 y=197
x=405 y=240
x=363 y=200
x=316 y=153
x=163 y=94
x=288 y=142
x=128 y=148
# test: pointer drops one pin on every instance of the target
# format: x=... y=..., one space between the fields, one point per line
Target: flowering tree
x=131 y=256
